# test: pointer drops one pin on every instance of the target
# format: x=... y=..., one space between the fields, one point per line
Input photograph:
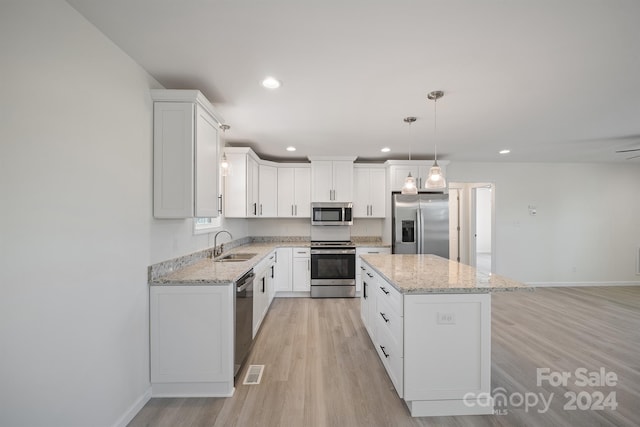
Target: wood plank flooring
x=322 y=370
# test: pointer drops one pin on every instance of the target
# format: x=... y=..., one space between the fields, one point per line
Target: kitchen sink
x=237 y=257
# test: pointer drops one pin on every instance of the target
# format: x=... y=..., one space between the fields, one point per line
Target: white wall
x=76 y=227
x=302 y=227
x=586 y=228
x=483 y=220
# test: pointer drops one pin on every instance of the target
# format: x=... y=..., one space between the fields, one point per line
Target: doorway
x=472 y=219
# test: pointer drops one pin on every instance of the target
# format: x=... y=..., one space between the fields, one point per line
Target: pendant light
x=436 y=180
x=409 y=186
x=225 y=167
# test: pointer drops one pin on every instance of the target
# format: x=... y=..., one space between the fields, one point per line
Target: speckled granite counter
x=199 y=268
x=208 y=272
x=423 y=274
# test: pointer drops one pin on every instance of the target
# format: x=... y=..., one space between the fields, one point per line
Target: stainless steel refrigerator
x=421 y=224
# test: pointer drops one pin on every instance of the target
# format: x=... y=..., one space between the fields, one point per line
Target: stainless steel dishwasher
x=243 y=307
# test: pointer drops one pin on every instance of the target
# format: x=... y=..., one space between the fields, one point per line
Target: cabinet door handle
x=291 y=210
x=263 y=280
x=364 y=289
x=272 y=273
x=384 y=317
x=220 y=204
x=255 y=209
x=260 y=209
x=296 y=209
x=308 y=265
x=386 y=355
x=386 y=292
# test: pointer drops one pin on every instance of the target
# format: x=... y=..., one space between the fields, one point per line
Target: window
x=206 y=225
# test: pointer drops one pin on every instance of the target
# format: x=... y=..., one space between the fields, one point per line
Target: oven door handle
x=332 y=251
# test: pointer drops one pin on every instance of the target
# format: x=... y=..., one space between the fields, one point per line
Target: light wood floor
x=322 y=370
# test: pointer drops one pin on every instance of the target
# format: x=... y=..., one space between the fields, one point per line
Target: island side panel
x=447 y=356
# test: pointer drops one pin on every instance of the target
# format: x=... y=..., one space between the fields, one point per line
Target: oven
x=332 y=213
x=333 y=270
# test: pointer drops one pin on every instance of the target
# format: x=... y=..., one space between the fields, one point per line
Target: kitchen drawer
x=387 y=318
x=301 y=252
x=387 y=292
x=391 y=355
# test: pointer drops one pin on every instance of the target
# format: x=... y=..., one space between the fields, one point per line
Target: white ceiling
x=550 y=80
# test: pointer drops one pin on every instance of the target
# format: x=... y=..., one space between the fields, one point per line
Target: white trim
x=638 y=262
x=576 y=284
x=133 y=410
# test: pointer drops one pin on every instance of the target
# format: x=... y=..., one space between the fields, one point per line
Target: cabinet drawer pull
x=384 y=317
x=369 y=274
x=386 y=355
x=386 y=292
x=362 y=268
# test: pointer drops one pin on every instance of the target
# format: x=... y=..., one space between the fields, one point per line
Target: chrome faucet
x=217 y=251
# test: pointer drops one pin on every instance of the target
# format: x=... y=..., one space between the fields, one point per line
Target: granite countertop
x=208 y=272
x=423 y=274
x=199 y=268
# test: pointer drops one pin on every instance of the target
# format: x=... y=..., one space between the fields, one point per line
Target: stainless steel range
x=333 y=262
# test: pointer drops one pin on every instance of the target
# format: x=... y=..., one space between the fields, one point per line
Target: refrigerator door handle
x=418 y=231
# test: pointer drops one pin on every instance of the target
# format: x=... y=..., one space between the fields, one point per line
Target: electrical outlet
x=445 y=318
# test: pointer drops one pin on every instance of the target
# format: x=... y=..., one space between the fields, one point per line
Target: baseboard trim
x=133 y=410
x=579 y=284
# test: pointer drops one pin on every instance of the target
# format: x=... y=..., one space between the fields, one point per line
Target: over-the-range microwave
x=331 y=213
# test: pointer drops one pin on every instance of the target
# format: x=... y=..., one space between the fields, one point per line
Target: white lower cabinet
x=284 y=282
x=301 y=273
x=436 y=348
x=263 y=289
x=191 y=340
x=366 y=251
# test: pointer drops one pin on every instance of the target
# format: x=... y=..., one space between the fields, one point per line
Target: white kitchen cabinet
x=399 y=169
x=447 y=353
x=294 y=192
x=367 y=299
x=241 y=195
x=436 y=348
x=268 y=191
x=369 y=198
x=284 y=282
x=331 y=180
x=360 y=250
x=263 y=284
x=301 y=273
x=260 y=299
x=192 y=340
x=185 y=155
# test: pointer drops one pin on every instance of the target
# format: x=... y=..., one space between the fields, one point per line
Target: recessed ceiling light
x=271 y=83
x=385 y=149
x=504 y=151
x=290 y=148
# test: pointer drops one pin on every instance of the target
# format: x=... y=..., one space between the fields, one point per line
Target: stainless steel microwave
x=332 y=213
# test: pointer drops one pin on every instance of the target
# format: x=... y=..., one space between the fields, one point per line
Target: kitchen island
x=429 y=319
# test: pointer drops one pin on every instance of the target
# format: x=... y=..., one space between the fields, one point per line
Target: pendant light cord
x=435 y=139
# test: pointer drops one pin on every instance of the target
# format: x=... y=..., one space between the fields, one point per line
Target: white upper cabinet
x=294 y=190
x=399 y=169
x=267 y=191
x=241 y=194
x=369 y=185
x=185 y=155
x=331 y=180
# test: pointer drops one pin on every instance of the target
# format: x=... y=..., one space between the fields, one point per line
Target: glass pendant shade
x=409 y=186
x=224 y=166
x=436 y=179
